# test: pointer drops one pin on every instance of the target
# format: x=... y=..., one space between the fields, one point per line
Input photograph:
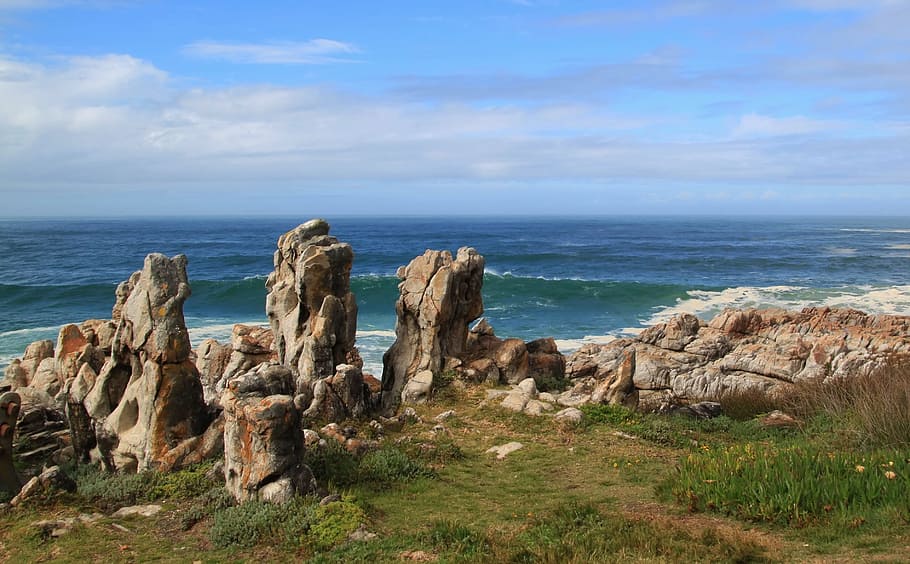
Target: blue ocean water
x=578 y=279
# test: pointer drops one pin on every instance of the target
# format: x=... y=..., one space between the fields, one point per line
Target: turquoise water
x=578 y=279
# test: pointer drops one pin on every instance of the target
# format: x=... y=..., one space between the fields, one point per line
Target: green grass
x=794 y=483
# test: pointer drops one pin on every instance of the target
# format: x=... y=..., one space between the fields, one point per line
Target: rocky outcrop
x=9 y=414
x=738 y=350
x=147 y=397
x=263 y=438
x=439 y=297
x=311 y=310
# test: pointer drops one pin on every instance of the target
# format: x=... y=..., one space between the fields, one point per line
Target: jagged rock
x=700 y=410
x=50 y=479
x=45 y=378
x=311 y=310
x=152 y=315
x=250 y=346
x=20 y=372
x=341 y=397
x=10 y=403
x=16 y=375
x=147 y=398
x=211 y=361
x=263 y=439
x=620 y=388
x=545 y=362
x=439 y=297
x=742 y=350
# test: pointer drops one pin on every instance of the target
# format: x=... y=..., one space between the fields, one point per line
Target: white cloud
x=760 y=125
x=312 y=52
x=120 y=121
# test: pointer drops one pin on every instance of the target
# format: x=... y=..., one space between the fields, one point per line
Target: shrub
x=611 y=414
x=333 y=522
x=250 y=523
x=388 y=465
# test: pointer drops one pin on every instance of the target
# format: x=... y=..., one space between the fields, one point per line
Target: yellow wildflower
x=890 y=475
x=860 y=468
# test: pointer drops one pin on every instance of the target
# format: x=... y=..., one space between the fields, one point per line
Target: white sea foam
x=858 y=230
x=705 y=303
x=30 y=331
x=842 y=251
x=566 y=346
x=900 y=247
x=376 y=333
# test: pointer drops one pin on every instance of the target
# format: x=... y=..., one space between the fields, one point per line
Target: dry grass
x=875 y=406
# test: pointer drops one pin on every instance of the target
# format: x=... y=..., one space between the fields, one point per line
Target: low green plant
x=610 y=414
x=796 y=483
x=388 y=464
x=254 y=522
x=334 y=522
x=334 y=465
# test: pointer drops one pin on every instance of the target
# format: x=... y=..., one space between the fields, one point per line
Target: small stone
x=502 y=451
x=137 y=511
x=329 y=499
x=571 y=415
x=362 y=534
x=445 y=415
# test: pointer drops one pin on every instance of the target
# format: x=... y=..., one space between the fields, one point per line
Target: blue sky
x=115 y=107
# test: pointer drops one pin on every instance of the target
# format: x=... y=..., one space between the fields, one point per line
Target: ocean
x=576 y=279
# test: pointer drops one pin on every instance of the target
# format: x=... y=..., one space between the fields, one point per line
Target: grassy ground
x=617 y=489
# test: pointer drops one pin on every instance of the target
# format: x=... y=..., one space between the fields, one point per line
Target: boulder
x=439 y=296
x=311 y=310
x=263 y=438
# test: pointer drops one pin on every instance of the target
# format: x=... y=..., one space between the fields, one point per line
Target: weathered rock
x=343 y=396
x=570 y=415
x=34 y=354
x=46 y=379
x=250 y=346
x=15 y=375
x=10 y=403
x=211 y=361
x=147 y=397
x=311 y=310
x=152 y=321
x=263 y=439
x=742 y=350
x=50 y=479
x=545 y=363
x=158 y=411
x=149 y=510
x=439 y=297
x=418 y=388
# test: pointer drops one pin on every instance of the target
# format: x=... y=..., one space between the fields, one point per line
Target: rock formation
x=147 y=397
x=736 y=351
x=439 y=297
x=250 y=346
x=311 y=309
x=9 y=414
x=263 y=439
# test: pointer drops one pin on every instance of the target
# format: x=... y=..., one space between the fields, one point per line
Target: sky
x=425 y=107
